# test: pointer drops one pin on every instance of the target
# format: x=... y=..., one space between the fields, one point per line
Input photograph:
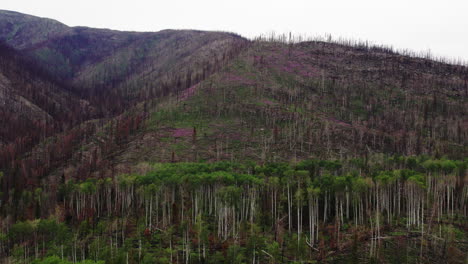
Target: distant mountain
x=105 y=68
x=263 y=100
x=106 y=63
x=24 y=31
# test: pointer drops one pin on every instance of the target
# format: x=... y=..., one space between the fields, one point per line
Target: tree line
x=188 y=212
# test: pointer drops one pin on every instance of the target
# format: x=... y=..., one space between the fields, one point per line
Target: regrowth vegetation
x=229 y=212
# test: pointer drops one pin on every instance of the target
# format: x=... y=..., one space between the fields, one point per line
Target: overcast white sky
x=419 y=25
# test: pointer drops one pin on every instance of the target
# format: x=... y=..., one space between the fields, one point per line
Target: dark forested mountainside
x=107 y=72
x=113 y=147
x=33 y=106
x=23 y=31
x=115 y=69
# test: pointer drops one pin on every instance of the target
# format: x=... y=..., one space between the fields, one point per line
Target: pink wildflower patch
x=182 y=132
x=189 y=92
x=238 y=79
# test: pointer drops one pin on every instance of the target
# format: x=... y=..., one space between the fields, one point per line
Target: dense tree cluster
x=183 y=212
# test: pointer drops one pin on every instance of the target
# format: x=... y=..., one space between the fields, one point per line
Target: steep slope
x=274 y=101
x=58 y=78
x=277 y=102
x=32 y=105
x=156 y=65
x=22 y=31
x=125 y=66
x=62 y=50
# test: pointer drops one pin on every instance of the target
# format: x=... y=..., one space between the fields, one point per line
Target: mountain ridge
x=306 y=68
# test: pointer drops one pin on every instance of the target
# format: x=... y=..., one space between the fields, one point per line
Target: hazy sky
x=419 y=25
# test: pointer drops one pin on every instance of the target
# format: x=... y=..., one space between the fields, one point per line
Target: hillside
x=89 y=74
x=33 y=105
x=185 y=146
x=128 y=67
x=278 y=102
x=23 y=31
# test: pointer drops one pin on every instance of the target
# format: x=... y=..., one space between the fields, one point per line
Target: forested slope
x=205 y=147
x=115 y=69
x=33 y=105
x=281 y=101
x=384 y=210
